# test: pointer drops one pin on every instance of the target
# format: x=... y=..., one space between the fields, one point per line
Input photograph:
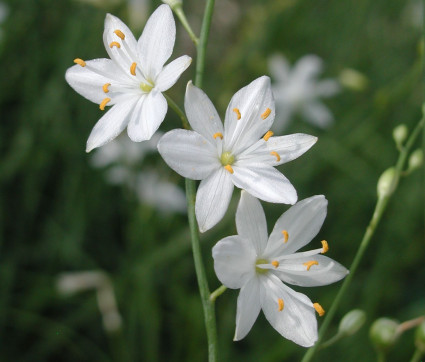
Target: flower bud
x=400 y=134
x=352 y=322
x=415 y=160
x=387 y=182
x=420 y=337
x=353 y=79
x=383 y=333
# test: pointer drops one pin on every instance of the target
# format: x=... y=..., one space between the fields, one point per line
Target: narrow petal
x=151 y=114
x=297 y=320
x=254 y=105
x=189 y=154
x=302 y=222
x=279 y=68
x=234 y=261
x=157 y=41
x=265 y=183
x=317 y=114
x=248 y=308
x=309 y=66
x=213 y=198
x=172 y=72
x=111 y=124
x=327 y=88
x=251 y=222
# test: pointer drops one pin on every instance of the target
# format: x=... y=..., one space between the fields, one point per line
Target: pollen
x=229 y=168
x=238 y=113
x=267 y=135
x=320 y=311
x=104 y=103
x=274 y=153
x=281 y=304
x=309 y=264
x=105 y=87
x=115 y=44
x=266 y=113
x=325 y=246
x=285 y=236
x=119 y=34
x=275 y=263
x=133 y=68
x=218 y=134
x=80 y=62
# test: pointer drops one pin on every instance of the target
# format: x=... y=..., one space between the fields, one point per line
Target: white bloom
x=133 y=80
x=233 y=155
x=260 y=267
x=298 y=90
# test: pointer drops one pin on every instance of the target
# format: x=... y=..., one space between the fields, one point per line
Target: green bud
x=416 y=159
x=383 y=333
x=420 y=337
x=400 y=134
x=387 y=182
x=352 y=322
x=353 y=79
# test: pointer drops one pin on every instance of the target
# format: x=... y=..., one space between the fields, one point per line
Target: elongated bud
x=173 y=3
x=383 y=333
x=353 y=79
x=387 y=182
x=420 y=337
x=400 y=134
x=352 y=322
x=415 y=160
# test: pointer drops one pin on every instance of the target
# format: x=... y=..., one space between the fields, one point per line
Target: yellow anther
x=119 y=34
x=229 y=168
x=325 y=246
x=133 y=68
x=238 y=113
x=274 y=153
x=218 y=134
x=309 y=264
x=319 y=309
x=275 y=263
x=104 y=103
x=80 y=62
x=285 y=236
x=267 y=135
x=105 y=87
x=266 y=113
x=281 y=304
x=115 y=44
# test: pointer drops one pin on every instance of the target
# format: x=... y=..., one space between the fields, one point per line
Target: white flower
x=298 y=90
x=133 y=80
x=260 y=266
x=233 y=155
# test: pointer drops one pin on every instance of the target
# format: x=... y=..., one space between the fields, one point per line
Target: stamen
x=105 y=87
x=266 y=113
x=238 y=113
x=285 y=236
x=274 y=153
x=324 y=246
x=229 y=168
x=115 y=44
x=275 y=263
x=119 y=34
x=319 y=309
x=80 y=62
x=267 y=135
x=218 y=134
x=309 y=264
x=133 y=68
x=281 y=304
x=104 y=103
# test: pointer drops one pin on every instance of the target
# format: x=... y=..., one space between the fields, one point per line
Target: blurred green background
x=58 y=214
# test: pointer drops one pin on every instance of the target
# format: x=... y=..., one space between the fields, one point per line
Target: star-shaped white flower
x=298 y=90
x=260 y=267
x=133 y=80
x=243 y=153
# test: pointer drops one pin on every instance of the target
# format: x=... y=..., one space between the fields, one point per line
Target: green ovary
x=259 y=270
x=227 y=158
x=146 y=87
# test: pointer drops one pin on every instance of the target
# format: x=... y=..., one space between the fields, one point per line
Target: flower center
x=146 y=87
x=227 y=158
x=259 y=270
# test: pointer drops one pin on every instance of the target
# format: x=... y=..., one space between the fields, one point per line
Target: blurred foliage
x=58 y=214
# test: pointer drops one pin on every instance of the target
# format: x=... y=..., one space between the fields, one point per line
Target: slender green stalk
x=216 y=293
x=173 y=105
x=178 y=10
x=377 y=215
x=417 y=356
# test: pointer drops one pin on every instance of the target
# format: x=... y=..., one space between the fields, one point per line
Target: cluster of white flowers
x=242 y=152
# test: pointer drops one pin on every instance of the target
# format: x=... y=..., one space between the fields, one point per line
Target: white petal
x=111 y=124
x=252 y=102
x=297 y=321
x=172 y=72
x=279 y=68
x=327 y=88
x=309 y=66
x=151 y=114
x=189 y=154
x=265 y=183
x=317 y=114
x=248 y=308
x=213 y=198
x=302 y=223
x=251 y=222
x=157 y=41
x=201 y=113
x=234 y=261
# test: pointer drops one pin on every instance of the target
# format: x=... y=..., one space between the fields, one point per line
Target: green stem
x=377 y=215
x=173 y=105
x=331 y=341
x=417 y=356
x=178 y=10
x=216 y=293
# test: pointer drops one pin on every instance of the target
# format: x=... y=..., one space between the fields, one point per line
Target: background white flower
x=298 y=90
x=260 y=266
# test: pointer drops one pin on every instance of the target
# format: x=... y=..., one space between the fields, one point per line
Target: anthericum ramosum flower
x=261 y=266
x=241 y=153
x=133 y=80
